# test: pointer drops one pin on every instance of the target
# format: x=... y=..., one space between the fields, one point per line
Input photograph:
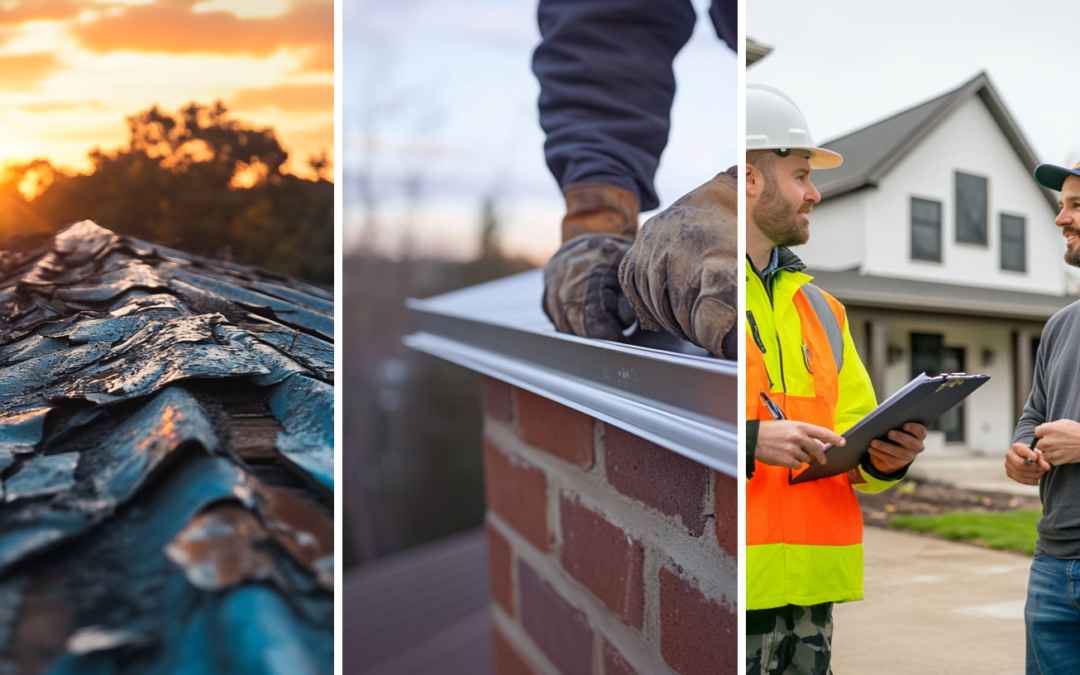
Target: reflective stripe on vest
x=828 y=321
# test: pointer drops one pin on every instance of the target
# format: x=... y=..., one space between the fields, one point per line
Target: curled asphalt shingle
x=166 y=455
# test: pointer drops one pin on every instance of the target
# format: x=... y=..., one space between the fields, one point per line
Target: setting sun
x=72 y=71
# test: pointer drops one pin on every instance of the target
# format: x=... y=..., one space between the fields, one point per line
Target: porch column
x=879 y=348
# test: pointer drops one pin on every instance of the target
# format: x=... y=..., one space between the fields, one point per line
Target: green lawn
x=1014 y=531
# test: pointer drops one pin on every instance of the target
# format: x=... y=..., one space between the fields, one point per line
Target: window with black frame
x=925 y=230
x=1013 y=244
x=971 y=208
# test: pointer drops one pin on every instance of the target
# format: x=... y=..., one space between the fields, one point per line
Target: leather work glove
x=582 y=295
x=682 y=273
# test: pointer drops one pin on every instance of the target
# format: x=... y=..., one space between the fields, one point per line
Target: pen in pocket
x=774 y=410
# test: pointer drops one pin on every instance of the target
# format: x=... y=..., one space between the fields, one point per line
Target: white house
x=941 y=244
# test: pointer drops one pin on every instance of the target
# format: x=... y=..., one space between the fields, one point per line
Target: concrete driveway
x=933 y=606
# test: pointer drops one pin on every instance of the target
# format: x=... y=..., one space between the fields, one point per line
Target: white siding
x=837 y=233
x=968 y=141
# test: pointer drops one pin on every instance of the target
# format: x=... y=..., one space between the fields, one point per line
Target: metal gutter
x=684 y=402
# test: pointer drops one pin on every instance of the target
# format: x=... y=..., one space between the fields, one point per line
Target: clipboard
x=922 y=400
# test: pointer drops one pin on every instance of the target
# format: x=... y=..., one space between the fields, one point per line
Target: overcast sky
x=440 y=102
x=71 y=71
x=848 y=63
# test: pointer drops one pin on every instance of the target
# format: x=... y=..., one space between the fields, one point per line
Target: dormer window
x=1013 y=249
x=970 y=209
x=925 y=230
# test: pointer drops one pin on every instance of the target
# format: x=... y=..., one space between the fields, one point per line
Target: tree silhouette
x=199 y=181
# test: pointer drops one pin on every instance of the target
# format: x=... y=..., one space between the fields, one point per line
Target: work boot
x=682 y=273
x=582 y=295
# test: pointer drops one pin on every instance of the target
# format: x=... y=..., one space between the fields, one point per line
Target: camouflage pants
x=789 y=640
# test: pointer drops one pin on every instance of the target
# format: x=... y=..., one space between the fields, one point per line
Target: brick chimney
x=611 y=507
x=608 y=554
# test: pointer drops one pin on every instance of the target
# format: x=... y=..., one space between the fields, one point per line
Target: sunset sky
x=71 y=71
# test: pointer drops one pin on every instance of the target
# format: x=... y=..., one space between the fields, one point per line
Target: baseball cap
x=1054 y=177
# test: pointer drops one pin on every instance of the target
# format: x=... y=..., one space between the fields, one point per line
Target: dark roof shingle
x=871 y=152
x=166 y=457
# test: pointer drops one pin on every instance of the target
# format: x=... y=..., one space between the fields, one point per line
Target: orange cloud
x=288 y=97
x=26 y=71
x=40 y=10
x=172 y=26
x=310 y=138
x=61 y=106
x=319 y=59
x=312 y=141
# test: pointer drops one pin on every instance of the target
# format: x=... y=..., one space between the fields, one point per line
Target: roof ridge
x=874 y=150
x=927 y=102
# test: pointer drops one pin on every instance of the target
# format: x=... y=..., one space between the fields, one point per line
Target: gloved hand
x=682 y=273
x=582 y=295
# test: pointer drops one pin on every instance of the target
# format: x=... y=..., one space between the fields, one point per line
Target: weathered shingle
x=166 y=458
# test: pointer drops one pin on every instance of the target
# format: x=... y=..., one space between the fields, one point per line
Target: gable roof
x=871 y=152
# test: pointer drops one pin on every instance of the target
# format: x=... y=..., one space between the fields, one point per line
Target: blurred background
x=445 y=186
x=205 y=125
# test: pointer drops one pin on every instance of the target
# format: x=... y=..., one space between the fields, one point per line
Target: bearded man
x=805 y=385
x=1051 y=418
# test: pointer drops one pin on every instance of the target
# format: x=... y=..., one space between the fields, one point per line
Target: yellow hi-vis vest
x=803 y=542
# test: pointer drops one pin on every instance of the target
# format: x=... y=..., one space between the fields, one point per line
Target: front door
x=930 y=355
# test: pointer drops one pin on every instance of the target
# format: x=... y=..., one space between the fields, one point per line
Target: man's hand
x=891 y=457
x=581 y=287
x=582 y=295
x=792 y=444
x=683 y=271
x=1059 y=442
x=1017 y=468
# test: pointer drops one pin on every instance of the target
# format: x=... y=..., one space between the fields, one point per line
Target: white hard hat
x=774 y=122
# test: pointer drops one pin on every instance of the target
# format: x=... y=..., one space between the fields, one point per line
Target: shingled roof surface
x=871 y=152
x=166 y=459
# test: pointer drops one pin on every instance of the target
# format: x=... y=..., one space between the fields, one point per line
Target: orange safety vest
x=804 y=542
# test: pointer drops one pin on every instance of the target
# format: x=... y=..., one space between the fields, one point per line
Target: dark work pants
x=606 y=85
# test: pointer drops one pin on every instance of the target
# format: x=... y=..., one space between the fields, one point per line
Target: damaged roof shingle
x=166 y=462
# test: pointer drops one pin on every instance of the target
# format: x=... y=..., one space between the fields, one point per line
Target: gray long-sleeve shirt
x=1055 y=395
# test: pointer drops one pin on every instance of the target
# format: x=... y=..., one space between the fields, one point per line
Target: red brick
x=507 y=659
x=605 y=559
x=664 y=480
x=518 y=493
x=500 y=570
x=614 y=663
x=554 y=428
x=562 y=632
x=496 y=399
x=698 y=636
x=726 y=507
